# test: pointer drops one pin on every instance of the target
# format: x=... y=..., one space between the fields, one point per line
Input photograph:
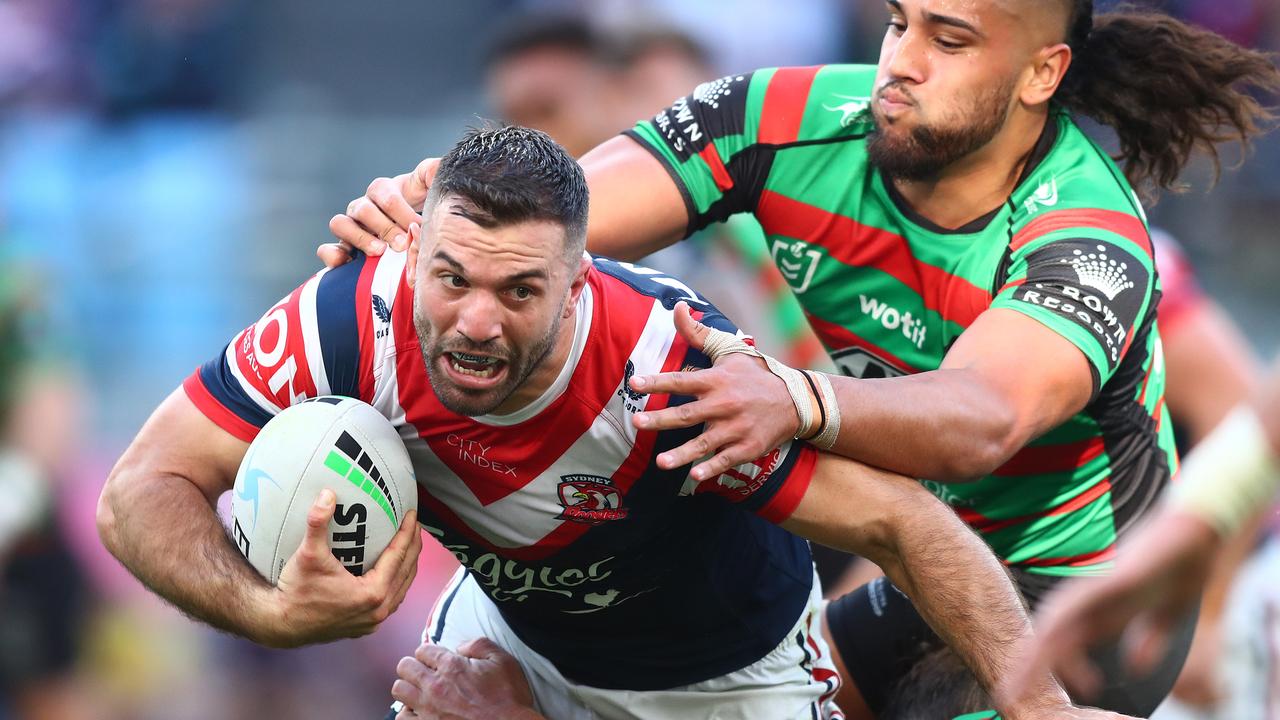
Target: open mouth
x=479 y=367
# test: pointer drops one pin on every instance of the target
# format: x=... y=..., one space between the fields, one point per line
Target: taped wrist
x=1230 y=476
x=806 y=388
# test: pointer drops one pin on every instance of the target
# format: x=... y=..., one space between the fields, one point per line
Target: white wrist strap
x=803 y=387
x=1230 y=476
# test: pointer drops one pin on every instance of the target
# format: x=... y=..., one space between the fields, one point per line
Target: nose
x=906 y=57
x=480 y=317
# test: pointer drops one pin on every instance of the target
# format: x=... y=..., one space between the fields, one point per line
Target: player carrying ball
x=979 y=266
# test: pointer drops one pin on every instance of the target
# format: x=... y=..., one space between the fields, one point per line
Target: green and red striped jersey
x=888 y=292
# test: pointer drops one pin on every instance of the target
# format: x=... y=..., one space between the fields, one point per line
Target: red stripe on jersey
x=785 y=501
x=206 y=403
x=852 y=243
x=719 y=173
x=784 y=103
x=1051 y=458
x=364 y=324
x=838 y=337
x=496 y=461
x=1090 y=558
x=1122 y=224
x=271 y=355
x=984 y=524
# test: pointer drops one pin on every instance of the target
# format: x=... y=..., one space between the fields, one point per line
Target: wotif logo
x=891 y=318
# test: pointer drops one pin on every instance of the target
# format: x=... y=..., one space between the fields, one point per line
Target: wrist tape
x=804 y=387
x=1230 y=476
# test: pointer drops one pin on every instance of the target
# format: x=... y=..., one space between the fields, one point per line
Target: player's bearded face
x=919 y=142
x=512 y=360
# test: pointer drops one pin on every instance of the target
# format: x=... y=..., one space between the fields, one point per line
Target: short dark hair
x=529 y=31
x=514 y=174
x=938 y=686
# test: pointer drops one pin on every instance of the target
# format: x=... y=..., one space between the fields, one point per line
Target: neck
x=980 y=182
x=545 y=374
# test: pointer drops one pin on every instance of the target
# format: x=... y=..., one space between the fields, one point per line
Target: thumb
x=318 y=518
x=419 y=182
x=694 y=332
x=481 y=648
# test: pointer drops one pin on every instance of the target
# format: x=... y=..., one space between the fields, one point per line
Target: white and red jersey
x=624 y=575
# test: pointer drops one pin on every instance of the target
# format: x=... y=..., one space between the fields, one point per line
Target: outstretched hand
x=479 y=680
x=380 y=219
x=746 y=410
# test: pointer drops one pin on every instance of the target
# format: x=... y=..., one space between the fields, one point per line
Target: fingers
x=402 y=549
x=353 y=234
x=413 y=670
x=482 y=648
x=694 y=332
x=389 y=196
x=1145 y=642
x=680 y=416
x=727 y=458
x=417 y=183
x=334 y=254
x=375 y=223
x=675 y=383
x=316 y=541
x=411 y=695
x=436 y=657
x=704 y=445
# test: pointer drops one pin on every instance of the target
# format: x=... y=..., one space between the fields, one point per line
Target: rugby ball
x=325 y=442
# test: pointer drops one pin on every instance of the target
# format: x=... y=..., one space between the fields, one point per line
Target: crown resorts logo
x=1101 y=273
x=709 y=93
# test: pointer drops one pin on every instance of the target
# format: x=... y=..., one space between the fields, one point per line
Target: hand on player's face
x=381 y=217
x=320 y=600
x=479 y=680
x=746 y=409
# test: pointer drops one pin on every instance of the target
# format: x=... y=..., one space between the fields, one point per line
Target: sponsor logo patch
x=590 y=499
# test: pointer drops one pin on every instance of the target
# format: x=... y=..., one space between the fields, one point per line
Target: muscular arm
x=951 y=576
x=156 y=515
x=1007 y=380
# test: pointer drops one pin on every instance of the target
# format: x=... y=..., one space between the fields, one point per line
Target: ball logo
x=347 y=543
x=590 y=499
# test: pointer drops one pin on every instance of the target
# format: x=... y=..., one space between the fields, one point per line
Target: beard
x=926 y=150
x=520 y=364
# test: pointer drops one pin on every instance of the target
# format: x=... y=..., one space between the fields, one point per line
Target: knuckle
x=377 y=185
x=684 y=413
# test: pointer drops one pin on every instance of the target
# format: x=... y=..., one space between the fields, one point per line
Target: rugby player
x=956 y=238
x=502 y=354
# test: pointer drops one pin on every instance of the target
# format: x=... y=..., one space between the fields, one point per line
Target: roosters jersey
x=622 y=574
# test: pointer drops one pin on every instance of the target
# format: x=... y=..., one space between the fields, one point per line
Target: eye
x=521 y=293
x=897 y=26
x=948 y=44
x=452 y=281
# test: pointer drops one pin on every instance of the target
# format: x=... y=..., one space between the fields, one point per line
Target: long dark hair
x=1168 y=89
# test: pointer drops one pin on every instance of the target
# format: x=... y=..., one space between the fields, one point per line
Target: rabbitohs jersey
x=888 y=292
x=621 y=574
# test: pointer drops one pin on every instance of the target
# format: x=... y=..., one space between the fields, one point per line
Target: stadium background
x=167 y=168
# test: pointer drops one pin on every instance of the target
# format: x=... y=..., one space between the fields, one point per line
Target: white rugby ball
x=326 y=442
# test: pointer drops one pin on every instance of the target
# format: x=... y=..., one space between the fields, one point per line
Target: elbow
x=1000 y=438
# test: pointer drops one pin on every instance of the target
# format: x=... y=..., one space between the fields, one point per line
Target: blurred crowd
x=168 y=166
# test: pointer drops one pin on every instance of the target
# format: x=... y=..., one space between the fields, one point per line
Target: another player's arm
x=157 y=516
x=950 y=575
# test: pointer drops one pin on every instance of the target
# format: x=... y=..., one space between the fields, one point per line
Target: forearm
x=943 y=425
x=164 y=530
x=966 y=596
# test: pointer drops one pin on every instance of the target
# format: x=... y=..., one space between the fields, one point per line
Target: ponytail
x=1167 y=88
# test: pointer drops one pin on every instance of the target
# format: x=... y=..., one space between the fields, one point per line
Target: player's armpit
x=636 y=208
x=951 y=576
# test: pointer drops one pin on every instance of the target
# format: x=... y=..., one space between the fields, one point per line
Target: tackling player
x=503 y=353
x=962 y=247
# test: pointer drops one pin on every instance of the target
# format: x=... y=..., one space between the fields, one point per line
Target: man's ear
x=411 y=255
x=1049 y=67
x=576 y=285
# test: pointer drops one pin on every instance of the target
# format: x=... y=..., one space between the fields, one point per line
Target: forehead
x=501 y=250
x=985 y=15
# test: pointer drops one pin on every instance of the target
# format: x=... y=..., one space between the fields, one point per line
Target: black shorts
x=880 y=637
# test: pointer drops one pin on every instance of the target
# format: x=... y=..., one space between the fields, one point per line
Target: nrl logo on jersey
x=797 y=261
x=590 y=499
x=1046 y=195
x=850 y=111
x=1097 y=271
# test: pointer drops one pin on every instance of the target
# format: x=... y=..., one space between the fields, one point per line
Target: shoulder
x=1078 y=193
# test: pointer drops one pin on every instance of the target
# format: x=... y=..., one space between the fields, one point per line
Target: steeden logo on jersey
x=590 y=499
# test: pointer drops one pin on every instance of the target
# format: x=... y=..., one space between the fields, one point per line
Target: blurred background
x=167 y=168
